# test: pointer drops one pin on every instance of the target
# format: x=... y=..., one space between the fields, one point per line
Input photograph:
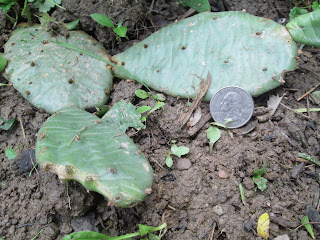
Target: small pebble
x=218 y=210
x=183 y=164
x=297 y=170
x=223 y=174
x=282 y=237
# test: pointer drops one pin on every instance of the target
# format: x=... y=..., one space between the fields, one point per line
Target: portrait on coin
x=231 y=106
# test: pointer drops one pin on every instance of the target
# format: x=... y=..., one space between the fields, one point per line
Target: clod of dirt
x=27 y=161
x=183 y=164
x=85 y=223
x=314 y=216
x=297 y=170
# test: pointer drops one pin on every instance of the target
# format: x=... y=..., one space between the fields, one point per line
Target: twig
x=22 y=128
x=203 y=88
x=302 y=115
x=212 y=233
x=207 y=230
x=187 y=14
x=312 y=89
x=308 y=107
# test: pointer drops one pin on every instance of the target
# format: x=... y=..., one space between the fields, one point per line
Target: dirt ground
x=191 y=196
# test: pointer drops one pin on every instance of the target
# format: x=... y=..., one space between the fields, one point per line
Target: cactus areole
x=50 y=76
x=77 y=145
x=237 y=48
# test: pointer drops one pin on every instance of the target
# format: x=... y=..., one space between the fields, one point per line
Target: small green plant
x=105 y=21
x=45 y=6
x=198 y=5
x=298 y=11
x=144 y=231
x=3 y=62
x=213 y=134
x=10 y=153
x=305 y=221
x=6 y=125
x=260 y=181
x=243 y=198
x=143 y=109
x=177 y=151
x=228 y=120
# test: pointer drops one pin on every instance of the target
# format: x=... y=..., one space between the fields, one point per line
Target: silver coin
x=232 y=105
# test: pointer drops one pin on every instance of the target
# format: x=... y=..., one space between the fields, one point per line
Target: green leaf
x=159 y=97
x=315 y=6
x=243 y=198
x=198 y=5
x=261 y=182
x=143 y=109
x=143 y=119
x=213 y=134
x=304 y=221
x=87 y=235
x=169 y=161
x=257 y=172
x=6 y=124
x=3 y=62
x=179 y=151
x=102 y=19
x=141 y=94
x=144 y=229
x=102 y=111
x=5 y=5
x=10 y=153
x=296 y=11
x=72 y=25
x=45 y=6
x=120 y=31
x=156 y=107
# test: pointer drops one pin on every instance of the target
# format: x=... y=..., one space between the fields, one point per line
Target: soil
x=199 y=196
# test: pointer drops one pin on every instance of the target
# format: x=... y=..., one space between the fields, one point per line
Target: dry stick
x=212 y=233
x=312 y=89
x=308 y=107
x=203 y=88
x=302 y=115
x=22 y=128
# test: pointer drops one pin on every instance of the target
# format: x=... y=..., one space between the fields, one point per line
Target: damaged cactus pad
x=237 y=48
x=306 y=28
x=77 y=145
x=50 y=76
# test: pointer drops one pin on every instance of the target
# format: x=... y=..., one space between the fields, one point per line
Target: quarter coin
x=231 y=106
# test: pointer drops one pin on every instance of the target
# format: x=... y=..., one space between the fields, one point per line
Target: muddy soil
x=199 y=196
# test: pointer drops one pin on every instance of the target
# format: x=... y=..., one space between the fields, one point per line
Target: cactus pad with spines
x=237 y=48
x=306 y=28
x=77 y=145
x=50 y=76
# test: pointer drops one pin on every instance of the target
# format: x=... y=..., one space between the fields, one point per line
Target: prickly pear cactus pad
x=306 y=28
x=78 y=145
x=237 y=48
x=50 y=76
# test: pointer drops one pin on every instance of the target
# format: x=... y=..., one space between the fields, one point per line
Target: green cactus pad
x=306 y=28
x=50 y=76
x=77 y=145
x=237 y=48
